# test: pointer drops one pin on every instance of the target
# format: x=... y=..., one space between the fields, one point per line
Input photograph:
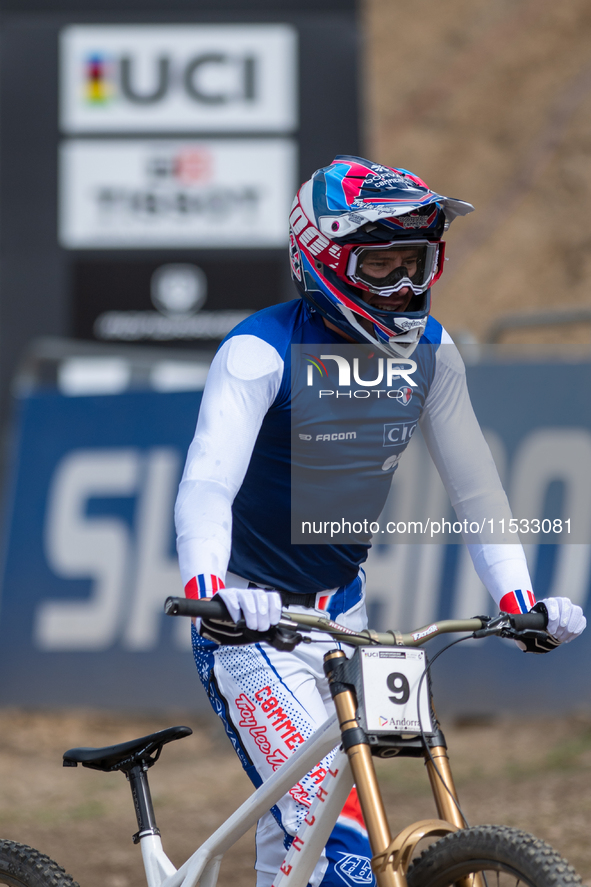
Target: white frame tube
x=205 y=862
x=312 y=835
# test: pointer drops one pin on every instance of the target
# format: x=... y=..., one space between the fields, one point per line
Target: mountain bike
x=383 y=707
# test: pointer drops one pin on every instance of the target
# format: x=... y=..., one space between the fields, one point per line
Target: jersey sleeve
x=465 y=464
x=242 y=384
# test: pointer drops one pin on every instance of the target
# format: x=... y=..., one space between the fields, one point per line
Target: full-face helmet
x=361 y=234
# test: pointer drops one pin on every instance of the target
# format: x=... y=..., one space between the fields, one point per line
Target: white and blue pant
x=270 y=702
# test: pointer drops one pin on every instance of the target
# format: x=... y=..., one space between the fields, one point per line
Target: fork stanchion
x=357 y=748
x=444 y=792
x=442 y=785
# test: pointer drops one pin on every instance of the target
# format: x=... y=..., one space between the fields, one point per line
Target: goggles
x=390 y=267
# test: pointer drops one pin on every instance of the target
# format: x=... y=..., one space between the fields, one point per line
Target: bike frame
x=203 y=866
x=352 y=764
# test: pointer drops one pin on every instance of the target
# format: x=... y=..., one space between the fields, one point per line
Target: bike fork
x=442 y=785
x=446 y=800
x=391 y=858
x=357 y=748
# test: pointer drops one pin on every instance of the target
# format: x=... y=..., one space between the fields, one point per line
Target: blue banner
x=89 y=547
x=537 y=421
x=90 y=553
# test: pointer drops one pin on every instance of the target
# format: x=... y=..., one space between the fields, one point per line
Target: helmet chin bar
x=399 y=346
x=403 y=346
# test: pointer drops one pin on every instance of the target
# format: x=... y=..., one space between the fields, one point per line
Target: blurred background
x=149 y=154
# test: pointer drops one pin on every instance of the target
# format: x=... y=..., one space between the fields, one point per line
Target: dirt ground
x=535 y=775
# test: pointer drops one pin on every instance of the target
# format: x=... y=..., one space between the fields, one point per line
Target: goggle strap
x=440 y=262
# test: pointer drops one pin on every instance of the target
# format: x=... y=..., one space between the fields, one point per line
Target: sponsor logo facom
x=341 y=435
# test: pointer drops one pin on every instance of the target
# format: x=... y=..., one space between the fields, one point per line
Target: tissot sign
x=173 y=78
x=144 y=193
x=139 y=193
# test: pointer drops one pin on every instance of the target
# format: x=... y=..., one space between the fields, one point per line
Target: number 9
x=398 y=684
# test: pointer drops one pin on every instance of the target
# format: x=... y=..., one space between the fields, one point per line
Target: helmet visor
x=387 y=268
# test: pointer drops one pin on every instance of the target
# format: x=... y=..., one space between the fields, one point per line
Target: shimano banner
x=90 y=558
x=90 y=553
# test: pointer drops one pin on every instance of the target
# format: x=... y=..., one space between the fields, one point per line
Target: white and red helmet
x=354 y=207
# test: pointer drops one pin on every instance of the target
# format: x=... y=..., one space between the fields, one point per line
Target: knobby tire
x=505 y=856
x=22 y=866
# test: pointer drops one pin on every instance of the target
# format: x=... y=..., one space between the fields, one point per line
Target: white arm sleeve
x=242 y=384
x=468 y=472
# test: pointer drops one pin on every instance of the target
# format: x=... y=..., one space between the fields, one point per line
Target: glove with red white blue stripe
x=565 y=619
x=259 y=609
x=517 y=601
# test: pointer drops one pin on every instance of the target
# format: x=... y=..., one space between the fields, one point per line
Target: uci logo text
x=174 y=78
x=209 y=78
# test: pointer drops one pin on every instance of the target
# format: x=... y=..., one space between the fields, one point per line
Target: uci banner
x=89 y=552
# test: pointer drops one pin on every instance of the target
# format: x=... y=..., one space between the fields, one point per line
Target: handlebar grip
x=529 y=621
x=180 y=606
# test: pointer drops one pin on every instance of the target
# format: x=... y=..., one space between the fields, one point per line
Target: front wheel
x=505 y=856
x=21 y=866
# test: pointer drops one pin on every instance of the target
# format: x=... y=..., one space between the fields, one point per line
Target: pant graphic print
x=270 y=702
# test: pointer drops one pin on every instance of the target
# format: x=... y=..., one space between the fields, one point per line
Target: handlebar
x=532 y=621
x=504 y=625
x=181 y=606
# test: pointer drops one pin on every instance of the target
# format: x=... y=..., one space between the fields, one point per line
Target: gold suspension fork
x=442 y=785
x=445 y=793
x=357 y=748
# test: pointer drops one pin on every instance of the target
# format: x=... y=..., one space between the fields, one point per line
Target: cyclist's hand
x=565 y=619
x=259 y=609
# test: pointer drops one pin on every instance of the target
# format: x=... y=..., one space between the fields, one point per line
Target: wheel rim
x=495 y=874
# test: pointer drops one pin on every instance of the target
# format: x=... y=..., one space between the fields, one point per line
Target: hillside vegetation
x=490 y=101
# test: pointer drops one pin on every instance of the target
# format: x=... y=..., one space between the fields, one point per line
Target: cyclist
x=365 y=249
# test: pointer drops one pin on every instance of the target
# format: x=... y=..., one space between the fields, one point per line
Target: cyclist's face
x=380 y=263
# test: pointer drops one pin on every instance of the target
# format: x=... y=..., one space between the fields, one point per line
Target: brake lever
x=534 y=640
x=496 y=625
x=282 y=635
x=531 y=634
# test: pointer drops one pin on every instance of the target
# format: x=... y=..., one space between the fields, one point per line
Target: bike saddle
x=145 y=750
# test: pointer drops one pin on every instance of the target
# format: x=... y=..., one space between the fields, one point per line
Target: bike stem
x=358 y=752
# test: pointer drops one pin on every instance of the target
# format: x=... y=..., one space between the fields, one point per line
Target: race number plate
x=390 y=678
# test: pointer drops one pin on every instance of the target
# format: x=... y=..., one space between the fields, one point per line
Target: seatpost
x=142 y=802
x=357 y=748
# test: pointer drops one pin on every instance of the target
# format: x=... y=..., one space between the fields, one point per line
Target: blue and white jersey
x=234 y=506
